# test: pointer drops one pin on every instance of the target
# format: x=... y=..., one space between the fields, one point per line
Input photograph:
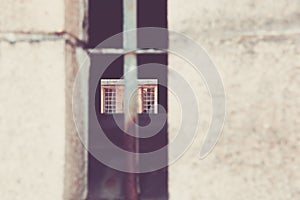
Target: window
x=112 y=91
x=148 y=98
x=110 y=100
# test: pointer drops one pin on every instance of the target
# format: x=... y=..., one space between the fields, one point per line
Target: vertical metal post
x=130 y=100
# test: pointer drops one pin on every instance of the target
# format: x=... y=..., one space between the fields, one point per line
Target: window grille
x=110 y=100
x=112 y=96
x=148 y=98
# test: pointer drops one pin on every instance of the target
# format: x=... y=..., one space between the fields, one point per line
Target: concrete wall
x=41 y=156
x=256 y=47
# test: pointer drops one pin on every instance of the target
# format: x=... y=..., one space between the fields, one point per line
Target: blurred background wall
x=41 y=156
x=256 y=47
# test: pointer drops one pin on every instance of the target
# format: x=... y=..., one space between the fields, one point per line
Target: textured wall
x=40 y=154
x=32 y=129
x=256 y=47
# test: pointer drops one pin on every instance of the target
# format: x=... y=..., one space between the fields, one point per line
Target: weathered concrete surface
x=256 y=49
x=32 y=120
x=47 y=17
x=41 y=154
x=233 y=16
x=75 y=173
x=76 y=18
x=32 y=16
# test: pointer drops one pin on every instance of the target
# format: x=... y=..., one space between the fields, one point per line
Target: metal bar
x=130 y=101
x=123 y=51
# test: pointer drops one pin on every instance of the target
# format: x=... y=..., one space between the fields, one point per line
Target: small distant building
x=112 y=96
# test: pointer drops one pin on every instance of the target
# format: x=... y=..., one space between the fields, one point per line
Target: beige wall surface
x=32 y=130
x=256 y=48
x=41 y=156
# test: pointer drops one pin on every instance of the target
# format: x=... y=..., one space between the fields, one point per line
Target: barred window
x=112 y=96
x=148 y=98
x=109 y=100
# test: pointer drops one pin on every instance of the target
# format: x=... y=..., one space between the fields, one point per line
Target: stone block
x=257 y=155
x=38 y=16
x=231 y=16
x=41 y=155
